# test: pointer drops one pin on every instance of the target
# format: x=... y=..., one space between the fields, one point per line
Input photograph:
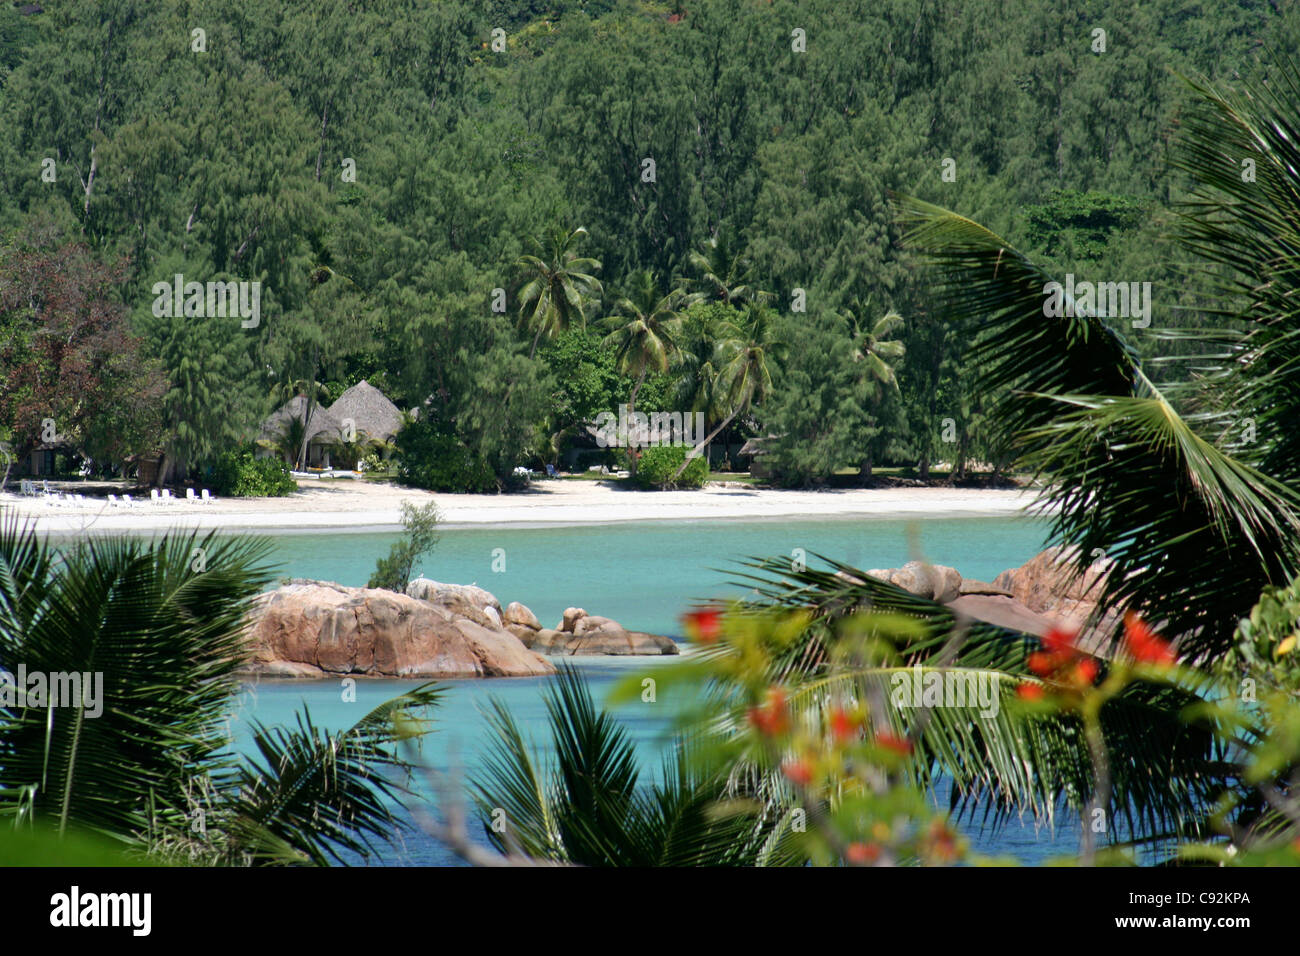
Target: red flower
x=704 y=625
x=862 y=854
x=1041 y=663
x=1060 y=661
x=1085 y=672
x=1059 y=641
x=1029 y=691
x=770 y=719
x=899 y=745
x=942 y=841
x=1144 y=644
x=843 y=727
x=798 y=771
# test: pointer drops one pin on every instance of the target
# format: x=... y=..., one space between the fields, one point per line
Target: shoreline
x=368 y=508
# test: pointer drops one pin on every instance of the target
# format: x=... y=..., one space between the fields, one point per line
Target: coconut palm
x=163 y=623
x=695 y=366
x=557 y=284
x=643 y=332
x=1195 y=522
x=287 y=441
x=872 y=343
x=723 y=274
x=644 y=329
x=588 y=805
x=877 y=352
x=747 y=349
x=313 y=392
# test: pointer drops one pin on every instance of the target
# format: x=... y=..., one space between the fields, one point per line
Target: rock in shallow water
x=516 y=613
x=316 y=629
x=320 y=629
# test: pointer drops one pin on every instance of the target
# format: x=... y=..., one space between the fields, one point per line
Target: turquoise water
x=643 y=575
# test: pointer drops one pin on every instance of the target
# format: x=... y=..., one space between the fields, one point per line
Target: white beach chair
x=190 y=495
x=154 y=497
x=207 y=497
x=128 y=501
x=112 y=500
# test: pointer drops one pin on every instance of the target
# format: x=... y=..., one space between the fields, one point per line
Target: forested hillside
x=381 y=168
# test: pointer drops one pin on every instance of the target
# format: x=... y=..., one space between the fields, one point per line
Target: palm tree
x=293 y=440
x=643 y=331
x=747 y=348
x=723 y=274
x=873 y=347
x=557 y=283
x=162 y=623
x=288 y=441
x=589 y=807
x=1195 y=522
x=1164 y=782
x=695 y=366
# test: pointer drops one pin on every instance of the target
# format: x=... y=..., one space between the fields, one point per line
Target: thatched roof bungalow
x=372 y=416
x=323 y=429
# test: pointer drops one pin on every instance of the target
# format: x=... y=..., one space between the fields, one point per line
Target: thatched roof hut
x=373 y=416
x=323 y=427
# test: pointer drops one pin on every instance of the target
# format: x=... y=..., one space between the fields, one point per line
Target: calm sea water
x=643 y=575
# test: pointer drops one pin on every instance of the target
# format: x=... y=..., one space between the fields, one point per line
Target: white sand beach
x=343 y=505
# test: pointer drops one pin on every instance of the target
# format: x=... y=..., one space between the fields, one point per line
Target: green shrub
x=659 y=463
x=430 y=457
x=241 y=474
x=421 y=524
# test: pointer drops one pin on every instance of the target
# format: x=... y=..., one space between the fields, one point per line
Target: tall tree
x=557 y=284
x=643 y=332
x=877 y=353
x=749 y=346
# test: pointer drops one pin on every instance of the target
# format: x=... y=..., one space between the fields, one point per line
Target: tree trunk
x=310 y=408
x=633 y=453
x=306 y=435
x=320 y=152
x=694 y=452
x=864 y=469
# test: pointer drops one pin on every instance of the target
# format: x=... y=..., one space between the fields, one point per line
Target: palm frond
x=1194 y=535
x=156 y=641
x=1006 y=764
x=1020 y=351
x=316 y=794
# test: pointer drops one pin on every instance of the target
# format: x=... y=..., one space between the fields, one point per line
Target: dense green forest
x=514 y=216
